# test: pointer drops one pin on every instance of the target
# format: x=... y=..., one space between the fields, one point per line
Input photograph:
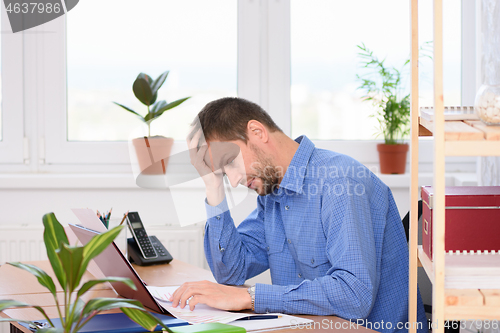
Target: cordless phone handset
x=141 y=237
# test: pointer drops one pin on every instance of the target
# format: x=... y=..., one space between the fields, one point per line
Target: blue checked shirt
x=331 y=236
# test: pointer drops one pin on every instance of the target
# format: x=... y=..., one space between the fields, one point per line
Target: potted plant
x=383 y=87
x=69 y=264
x=152 y=151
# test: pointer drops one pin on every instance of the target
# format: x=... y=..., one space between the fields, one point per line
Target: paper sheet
x=201 y=314
x=205 y=314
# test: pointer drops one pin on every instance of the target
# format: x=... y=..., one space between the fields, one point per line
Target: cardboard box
x=472 y=218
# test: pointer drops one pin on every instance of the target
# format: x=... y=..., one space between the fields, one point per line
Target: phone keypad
x=145 y=244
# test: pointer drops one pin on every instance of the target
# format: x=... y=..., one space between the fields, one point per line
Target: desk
x=22 y=286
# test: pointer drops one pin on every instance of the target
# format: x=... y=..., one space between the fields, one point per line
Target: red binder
x=472 y=218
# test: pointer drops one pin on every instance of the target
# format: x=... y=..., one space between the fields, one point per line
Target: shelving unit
x=458 y=139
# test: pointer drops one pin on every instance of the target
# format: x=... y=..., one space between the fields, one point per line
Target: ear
x=256 y=130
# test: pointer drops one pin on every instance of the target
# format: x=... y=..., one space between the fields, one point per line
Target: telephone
x=144 y=250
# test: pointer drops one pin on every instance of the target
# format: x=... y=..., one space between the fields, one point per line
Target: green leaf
x=54 y=236
x=159 y=82
x=43 y=278
x=150 y=117
x=169 y=106
x=71 y=258
x=96 y=245
x=105 y=303
x=142 y=89
x=153 y=99
x=130 y=110
x=158 y=106
x=150 y=82
x=91 y=283
x=143 y=318
x=10 y=303
x=75 y=311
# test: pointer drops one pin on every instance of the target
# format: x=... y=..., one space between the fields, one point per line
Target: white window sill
x=127 y=181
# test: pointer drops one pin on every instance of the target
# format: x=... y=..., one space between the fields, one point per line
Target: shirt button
x=267 y=248
x=312 y=261
x=289 y=241
x=222 y=249
x=300 y=275
x=287 y=207
x=217 y=217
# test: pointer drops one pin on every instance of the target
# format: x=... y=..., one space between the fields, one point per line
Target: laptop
x=112 y=262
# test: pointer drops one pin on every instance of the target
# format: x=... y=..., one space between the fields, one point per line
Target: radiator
x=25 y=243
x=21 y=243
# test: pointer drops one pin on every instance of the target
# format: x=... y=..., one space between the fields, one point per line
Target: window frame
x=264 y=76
x=12 y=150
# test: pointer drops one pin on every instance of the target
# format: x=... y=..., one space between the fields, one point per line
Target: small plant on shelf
x=69 y=263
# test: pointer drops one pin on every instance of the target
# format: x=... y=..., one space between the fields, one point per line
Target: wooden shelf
x=466 y=138
x=426 y=263
x=467 y=304
x=472 y=148
x=462 y=304
x=451 y=138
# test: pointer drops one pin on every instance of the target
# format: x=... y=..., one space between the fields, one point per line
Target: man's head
x=242 y=141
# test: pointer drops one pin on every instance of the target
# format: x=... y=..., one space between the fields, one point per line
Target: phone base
x=136 y=257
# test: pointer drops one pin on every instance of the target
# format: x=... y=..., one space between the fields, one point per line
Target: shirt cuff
x=269 y=298
x=216 y=211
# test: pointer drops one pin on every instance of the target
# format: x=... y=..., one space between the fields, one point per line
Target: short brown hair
x=226 y=119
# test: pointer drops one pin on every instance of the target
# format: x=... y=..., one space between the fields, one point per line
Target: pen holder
x=121 y=239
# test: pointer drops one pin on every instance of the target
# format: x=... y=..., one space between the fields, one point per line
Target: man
x=326 y=227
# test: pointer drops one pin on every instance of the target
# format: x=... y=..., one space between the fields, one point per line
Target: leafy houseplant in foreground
x=69 y=264
x=383 y=87
x=152 y=152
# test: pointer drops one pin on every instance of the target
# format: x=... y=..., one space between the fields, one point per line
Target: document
x=201 y=314
x=205 y=314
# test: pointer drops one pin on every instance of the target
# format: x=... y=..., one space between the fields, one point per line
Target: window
x=296 y=58
x=325 y=102
x=1 y=126
x=194 y=39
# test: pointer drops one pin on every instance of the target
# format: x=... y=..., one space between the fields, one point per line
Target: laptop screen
x=112 y=262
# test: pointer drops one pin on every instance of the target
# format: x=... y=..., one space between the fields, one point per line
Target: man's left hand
x=212 y=294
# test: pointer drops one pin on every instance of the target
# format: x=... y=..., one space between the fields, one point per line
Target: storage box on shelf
x=472 y=219
x=451 y=138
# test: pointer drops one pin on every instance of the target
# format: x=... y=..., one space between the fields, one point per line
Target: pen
x=124 y=217
x=260 y=317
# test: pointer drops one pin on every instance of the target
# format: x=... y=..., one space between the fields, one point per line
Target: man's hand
x=212 y=294
x=213 y=180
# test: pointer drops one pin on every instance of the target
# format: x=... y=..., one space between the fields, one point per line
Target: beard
x=264 y=170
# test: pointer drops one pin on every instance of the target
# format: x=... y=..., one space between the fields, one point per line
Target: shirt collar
x=297 y=170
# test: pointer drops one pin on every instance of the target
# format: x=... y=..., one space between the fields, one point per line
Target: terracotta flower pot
x=152 y=154
x=392 y=158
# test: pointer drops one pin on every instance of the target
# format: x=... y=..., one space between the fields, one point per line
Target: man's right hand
x=213 y=179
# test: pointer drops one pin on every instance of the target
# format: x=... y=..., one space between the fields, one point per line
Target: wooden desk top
x=22 y=286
